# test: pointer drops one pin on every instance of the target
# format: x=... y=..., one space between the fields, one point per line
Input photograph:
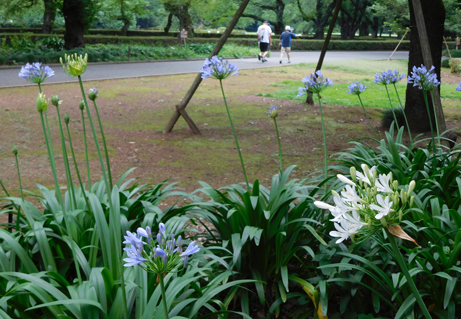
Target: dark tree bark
x=48 y=16
x=278 y=7
x=168 y=25
x=375 y=27
x=74 y=16
x=434 y=17
x=322 y=15
x=124 y=18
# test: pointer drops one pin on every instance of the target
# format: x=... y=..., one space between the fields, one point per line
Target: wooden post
x=446 y=45
x=427 y=58
x=390 y=58
x=180 y=108
x=309 y=99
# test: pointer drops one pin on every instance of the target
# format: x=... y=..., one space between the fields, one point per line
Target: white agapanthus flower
x=367 y=203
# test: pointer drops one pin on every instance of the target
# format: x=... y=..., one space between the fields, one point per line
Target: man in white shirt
x=265 y=40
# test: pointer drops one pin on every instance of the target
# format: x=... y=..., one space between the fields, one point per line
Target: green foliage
x=455 y=65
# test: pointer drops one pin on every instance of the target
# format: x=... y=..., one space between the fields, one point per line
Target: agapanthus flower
x=272 y=113
x=93 y=94
x=74 y=64
x=458 y=88
x=315 y=83
x=356 y=88
x=367 y=203
x=424 y=79
x=161 y=254
x=217 y=68
x=36 y=73
x=42 y=102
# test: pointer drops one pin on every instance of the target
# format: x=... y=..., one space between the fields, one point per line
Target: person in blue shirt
x=285 y=42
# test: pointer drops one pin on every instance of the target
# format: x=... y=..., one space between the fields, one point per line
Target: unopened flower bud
x=395 y=184
x=335 y=193
x=396 y=199
x=375 y=174
x=66 y=118
x=81 y=105
x=93 y=94
x=353 y=172
x=42 y=103
x=383 y=222
x=55 y=100
x=412 y=200
x=15 y=150
x=411 y=187
x=403 y=197
x=400 y=215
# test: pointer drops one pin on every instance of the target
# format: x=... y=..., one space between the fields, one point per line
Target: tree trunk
x=126 y=25
x=279 y=26
x=48 y=16
x=319 y=32
x=168 y=25
x=434 y=17
x=74 y=16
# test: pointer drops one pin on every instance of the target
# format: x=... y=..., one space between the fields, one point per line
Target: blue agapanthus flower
x=35 y=72
x=424 y=79
x=159 y=256
x=272 y=111
x=356 y=88
x=217 y=68
x=315 y=83
x=458 y=88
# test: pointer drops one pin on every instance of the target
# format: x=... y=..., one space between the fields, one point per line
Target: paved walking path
x=101 y=71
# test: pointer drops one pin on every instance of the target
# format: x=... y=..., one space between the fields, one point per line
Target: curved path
x=102 y=71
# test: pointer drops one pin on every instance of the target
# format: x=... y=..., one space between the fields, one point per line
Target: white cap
x=288 y=28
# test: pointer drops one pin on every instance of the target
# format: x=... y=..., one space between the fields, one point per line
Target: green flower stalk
x=10 y=215
x=42 y=106
x=429 y=115
x=316 y=84
x=93 y=95
x=404 y=115
x=66 y=121
x=18 y=225
x=435 y=117
x=356 y=88
x=74 y=64
x=272 y=113
x=70 y=185
x=369 y=204
x=82 y=107
x=217 y=68
x=385 y=78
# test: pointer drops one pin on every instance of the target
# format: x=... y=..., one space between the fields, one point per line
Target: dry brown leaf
x=397 y=231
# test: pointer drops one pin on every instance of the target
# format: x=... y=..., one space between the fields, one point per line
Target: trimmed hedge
x=297 y=44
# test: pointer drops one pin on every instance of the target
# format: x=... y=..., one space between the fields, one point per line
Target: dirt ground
x=135 y=111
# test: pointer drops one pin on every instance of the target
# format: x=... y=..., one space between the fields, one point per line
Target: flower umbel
x=217 y=68
x=42 y=103
x=366 y=205
x=272 y=113
x=458 y=88
x=424 y=79
x=315 y=83
x=93 y=94
x=74 y=64
x=36 y=73
x=356 y=88
x=389 y=77
x=160 y=255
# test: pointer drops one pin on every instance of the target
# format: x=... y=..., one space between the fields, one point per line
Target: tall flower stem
x=162 y=288
x=392 y=108
x=280 y=144
x=235 y=136
x=435 y=116
x=368 y=118
x=86 y=151
x=404 y=115
x=324 y=137
x=22 y=194
x=429 y=115
x=109 y=192
x=76 y=166
x=404 y=269
x=70 y=184
x=10 y=215
x=104 y=143
x=51 y=158
x=58 y=192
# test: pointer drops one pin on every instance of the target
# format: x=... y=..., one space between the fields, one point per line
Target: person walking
x=265 y=40
x=285 y=42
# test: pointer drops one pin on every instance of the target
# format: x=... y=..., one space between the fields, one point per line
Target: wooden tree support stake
x=446 y=45
x=403 y=38
x=180 y=108
x=309 y=99
x=427 y=58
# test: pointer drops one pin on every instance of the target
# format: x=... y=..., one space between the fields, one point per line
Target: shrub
x=455 y=65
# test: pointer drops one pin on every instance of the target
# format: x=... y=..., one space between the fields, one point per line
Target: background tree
x=394 y=13
x=270 y=10
x=434 y=16
x=319 y=14
x=78 y=16
x=351 y=16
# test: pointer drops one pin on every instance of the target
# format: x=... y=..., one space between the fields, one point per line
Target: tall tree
x=434 y=18
x=270 y=10
x=351 y=16
x=49 y=14
x=319 y=16
x=180 y=10
x=78 y=15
